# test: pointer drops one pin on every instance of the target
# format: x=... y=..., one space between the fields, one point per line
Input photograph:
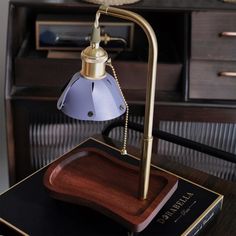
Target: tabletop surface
x=28 y=203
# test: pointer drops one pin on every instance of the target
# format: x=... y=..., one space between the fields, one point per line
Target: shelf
x=135 y=97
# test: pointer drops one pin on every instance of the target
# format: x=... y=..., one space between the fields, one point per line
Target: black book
x=190 y=209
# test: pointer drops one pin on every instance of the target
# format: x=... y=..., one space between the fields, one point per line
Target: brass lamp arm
x=150 y=91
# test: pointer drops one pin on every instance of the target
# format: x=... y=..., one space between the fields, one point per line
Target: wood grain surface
x=93 y=178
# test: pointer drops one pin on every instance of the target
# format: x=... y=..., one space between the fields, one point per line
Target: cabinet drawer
x=213 y=36
x=57 y=72
x=207 y=80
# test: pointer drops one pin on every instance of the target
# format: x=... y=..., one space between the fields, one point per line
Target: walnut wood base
x=93 y=178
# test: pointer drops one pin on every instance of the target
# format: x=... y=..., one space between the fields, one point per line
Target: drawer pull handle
x=228 y=34
x=227 y=74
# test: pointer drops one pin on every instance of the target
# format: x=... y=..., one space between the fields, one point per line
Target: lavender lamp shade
x=96 y=100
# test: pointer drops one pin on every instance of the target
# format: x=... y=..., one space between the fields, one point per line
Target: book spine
x=210 y=215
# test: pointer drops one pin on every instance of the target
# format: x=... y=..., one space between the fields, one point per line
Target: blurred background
x=3 y=155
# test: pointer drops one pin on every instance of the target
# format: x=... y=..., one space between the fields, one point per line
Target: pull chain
x=124 y=149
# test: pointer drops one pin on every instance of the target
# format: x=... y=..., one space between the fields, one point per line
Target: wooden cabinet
x=213 y=56
x=213 y=36
x=207 y=80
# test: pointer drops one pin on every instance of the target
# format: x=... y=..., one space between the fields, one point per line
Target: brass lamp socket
x=94 y=60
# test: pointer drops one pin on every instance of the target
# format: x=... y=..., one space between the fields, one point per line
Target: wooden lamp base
x=93 y=178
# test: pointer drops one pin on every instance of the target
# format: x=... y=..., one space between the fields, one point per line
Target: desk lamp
x=93 y=94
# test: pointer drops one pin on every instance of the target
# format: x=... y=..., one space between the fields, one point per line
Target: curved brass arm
x=150 y=91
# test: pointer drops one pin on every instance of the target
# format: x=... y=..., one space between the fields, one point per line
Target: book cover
x=187 y=212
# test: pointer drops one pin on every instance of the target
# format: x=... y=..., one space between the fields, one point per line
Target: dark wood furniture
x=213 y=54
x=29 y=207
x=190 y=92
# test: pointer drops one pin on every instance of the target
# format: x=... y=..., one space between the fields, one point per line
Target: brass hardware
x=145 y=167
x=227 y=74
x=228 y=34
x=150 y=91
x=106 y=38
x=94 y=62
